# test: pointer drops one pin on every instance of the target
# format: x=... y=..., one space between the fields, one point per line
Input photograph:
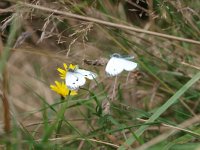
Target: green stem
x=63 y=109
x=58 y=122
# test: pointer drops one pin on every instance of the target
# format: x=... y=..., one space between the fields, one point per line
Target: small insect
x=117 y=64
x=97 y=62
x=76 y=77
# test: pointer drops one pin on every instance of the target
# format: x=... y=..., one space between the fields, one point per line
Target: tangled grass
x=155 y=107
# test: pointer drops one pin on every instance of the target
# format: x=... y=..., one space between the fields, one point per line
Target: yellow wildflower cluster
x=60 y=87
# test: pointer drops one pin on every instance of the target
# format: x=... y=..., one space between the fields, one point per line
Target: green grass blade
x=162 y=109
x=15 y=26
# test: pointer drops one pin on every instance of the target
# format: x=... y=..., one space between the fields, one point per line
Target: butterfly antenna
x=129 y=57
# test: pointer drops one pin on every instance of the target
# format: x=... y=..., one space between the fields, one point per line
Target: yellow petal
x=62 y=89
x=62 y=73
x=53 y=87
x=61 y=70
x=65 y=66
x=73 y=67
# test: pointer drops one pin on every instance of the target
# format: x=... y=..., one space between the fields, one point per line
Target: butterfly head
x=116 y=55
x=72 y=68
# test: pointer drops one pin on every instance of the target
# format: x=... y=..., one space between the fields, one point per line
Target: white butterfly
x=117 y=64
x=77 y=77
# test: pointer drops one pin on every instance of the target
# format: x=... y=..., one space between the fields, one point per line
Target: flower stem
x=63 y=109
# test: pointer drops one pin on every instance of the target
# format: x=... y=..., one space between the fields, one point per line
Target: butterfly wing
x=128 y=65
x=114 y=66
x=87 y=74
x=74 y=80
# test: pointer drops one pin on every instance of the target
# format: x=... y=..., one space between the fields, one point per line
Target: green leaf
x=161 y=110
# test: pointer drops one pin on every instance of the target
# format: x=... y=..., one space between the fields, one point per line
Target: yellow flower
x=62 y=72
x=62 y=89
x=73 y=67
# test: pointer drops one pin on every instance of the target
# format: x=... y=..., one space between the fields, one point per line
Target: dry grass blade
x=173 y=130
x=162 y=109
x=4 y=94
x=92 y=140
x=110 y=23
x=41 y=38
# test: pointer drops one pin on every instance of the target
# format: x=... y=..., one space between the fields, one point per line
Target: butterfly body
x=76 y=78
x=117 y=64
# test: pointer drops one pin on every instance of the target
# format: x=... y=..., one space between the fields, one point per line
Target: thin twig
x=127 y=78
x=114 y=88
x=66 y=138
x=180 y=127
x=192 y=66
x=154 y=90
x=187 y=107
